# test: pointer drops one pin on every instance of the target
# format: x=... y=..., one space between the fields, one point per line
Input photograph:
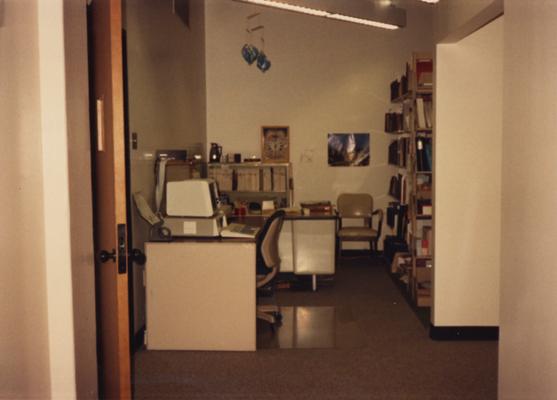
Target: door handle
x=105 y=256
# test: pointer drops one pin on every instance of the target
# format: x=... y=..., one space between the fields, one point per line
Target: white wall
x=467 y=181
x=166 y=72
x=24 y=364
x=326 y=76
x=47 y=269
x=56 y=234
x=528 y=350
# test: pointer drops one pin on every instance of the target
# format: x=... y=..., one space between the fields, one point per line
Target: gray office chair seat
x=357 y=233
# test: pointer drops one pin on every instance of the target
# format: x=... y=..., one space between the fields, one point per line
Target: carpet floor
x=368 y=344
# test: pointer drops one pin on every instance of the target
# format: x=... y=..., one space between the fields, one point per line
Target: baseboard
x=464 y=332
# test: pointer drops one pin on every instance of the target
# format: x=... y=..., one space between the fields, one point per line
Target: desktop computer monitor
x=192 y=198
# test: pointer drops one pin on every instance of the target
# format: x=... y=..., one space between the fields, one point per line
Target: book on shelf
x=420 y=113
x=425 y=241
x=402 y=152
x=224 y=178
x=393 y=122
x=423 y=154
x=267 y=181
x=403 y=84
x=395 y=90
x=424 y=207
x=406 y=113
x=279 y=179
x=247 y=180
x=419 y=154
x=428 y=114
x=409 y=75
x=428 y=155
x=424 y=73
x=393 y=153
x=394 y=187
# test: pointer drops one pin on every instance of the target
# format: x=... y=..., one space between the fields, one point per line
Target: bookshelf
x=410 y=122
x=254 y=182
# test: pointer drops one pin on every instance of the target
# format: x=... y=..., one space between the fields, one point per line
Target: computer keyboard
x=239 y=230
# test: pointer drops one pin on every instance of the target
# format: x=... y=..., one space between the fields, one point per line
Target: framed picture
x=275 y=146
x=348 y=149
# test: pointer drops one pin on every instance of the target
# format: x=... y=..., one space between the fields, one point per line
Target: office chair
x=358 y=206
x=268 y=263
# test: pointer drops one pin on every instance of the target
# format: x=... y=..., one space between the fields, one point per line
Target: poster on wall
x=348 y=149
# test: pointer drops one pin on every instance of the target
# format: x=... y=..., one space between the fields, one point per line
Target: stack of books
x=318 y=206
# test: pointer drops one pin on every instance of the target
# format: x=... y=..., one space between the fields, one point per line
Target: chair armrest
x=380 y=223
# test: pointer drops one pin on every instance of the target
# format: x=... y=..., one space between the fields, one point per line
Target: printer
x=193 y=208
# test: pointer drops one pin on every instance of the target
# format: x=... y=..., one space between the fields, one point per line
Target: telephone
x=157 y=232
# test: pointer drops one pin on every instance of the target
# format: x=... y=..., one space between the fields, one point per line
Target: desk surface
x=205 y=239
x=289 y=216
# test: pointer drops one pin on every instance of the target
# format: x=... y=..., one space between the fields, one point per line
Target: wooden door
x=105 y=27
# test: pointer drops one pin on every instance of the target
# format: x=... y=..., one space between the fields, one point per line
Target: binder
x=420 y=111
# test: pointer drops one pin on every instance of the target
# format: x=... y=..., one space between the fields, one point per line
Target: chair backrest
x=267 y=243
x=355 y=205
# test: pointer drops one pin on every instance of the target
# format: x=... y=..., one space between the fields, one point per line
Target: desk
x=201 y=295
x=306 y=244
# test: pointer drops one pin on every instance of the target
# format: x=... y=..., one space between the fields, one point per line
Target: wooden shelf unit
x=254 y=181
x=420 y=273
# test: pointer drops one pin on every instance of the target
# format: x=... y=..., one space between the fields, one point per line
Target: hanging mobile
x=249 y=51
x=263 y=62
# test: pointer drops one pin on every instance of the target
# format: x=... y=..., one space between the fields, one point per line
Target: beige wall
x=166 y=72
x=528 y=350
x=467 y=179
x=80 y=199
x=24 y=346
x=326 y=76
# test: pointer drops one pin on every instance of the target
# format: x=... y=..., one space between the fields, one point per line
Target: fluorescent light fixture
x=430 y=1
x=355 y=11
x=288 y=7
x=362 y=21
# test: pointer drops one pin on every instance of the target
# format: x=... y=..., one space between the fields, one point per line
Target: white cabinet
x=314 y=246
x=286 y=252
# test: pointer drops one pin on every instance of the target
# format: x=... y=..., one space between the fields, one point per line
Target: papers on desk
x=239 y=231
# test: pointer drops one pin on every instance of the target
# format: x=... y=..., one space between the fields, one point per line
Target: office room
x=452 y=316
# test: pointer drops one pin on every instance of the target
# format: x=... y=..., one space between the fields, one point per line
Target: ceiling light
x=362 y=21
x=288 y=7
x=355 y=11
x=430 y=1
